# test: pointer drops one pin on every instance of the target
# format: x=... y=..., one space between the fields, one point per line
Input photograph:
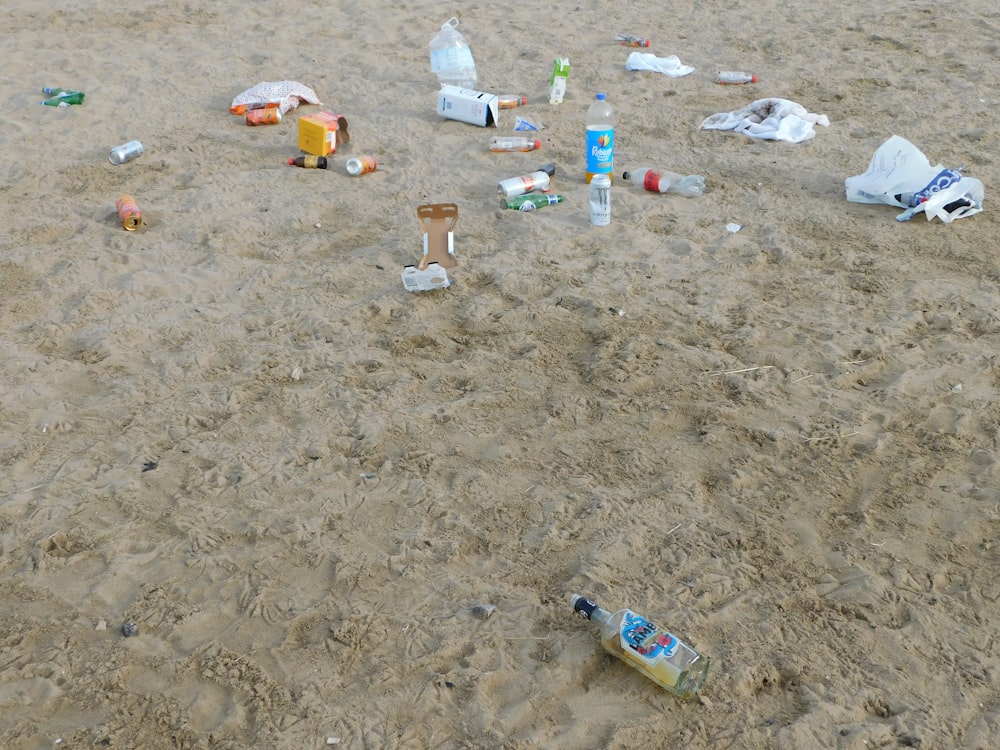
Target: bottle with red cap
x=514 y=143
x=308 y=162
x=631 y=41
x=735 y=76
x=509 y=101
x=539 y=180
x=656 y=181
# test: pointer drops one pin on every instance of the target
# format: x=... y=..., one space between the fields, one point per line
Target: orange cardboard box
x=320 y=133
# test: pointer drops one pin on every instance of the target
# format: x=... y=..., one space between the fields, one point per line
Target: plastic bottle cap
x=538 y=144
x=524 y=100
x=582 y=605
x=753 y=79
x=625 y=175
x=602 y=97
x=291 y=161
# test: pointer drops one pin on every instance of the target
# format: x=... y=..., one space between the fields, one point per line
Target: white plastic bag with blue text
x=900 y=175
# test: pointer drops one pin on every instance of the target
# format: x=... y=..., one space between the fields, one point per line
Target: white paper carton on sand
x=466 y=105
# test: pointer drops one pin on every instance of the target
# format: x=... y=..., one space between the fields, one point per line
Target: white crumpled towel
x=671 y=66
x=289 y=94
x=771 y=119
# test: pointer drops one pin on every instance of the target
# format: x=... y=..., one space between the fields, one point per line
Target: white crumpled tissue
x=670 y=66
x=770 y=119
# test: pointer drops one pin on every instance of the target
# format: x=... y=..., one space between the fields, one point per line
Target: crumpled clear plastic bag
x=900 y=175
x=288 y=95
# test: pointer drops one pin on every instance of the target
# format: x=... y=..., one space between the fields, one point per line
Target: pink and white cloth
x=289 y=95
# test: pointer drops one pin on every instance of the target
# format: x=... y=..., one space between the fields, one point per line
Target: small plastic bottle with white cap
x=735 y=76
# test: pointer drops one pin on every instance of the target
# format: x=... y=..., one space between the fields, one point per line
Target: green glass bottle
x=64 y=98
x=531 y=201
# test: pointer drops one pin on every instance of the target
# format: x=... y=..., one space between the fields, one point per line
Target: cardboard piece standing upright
x=438 y=220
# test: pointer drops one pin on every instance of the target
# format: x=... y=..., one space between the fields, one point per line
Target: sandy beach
x=236 y=431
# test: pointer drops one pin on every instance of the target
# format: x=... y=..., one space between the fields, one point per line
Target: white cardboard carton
x=466 y=105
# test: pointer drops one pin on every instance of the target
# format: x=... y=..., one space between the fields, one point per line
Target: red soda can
x=268 y=116
x=128 y=212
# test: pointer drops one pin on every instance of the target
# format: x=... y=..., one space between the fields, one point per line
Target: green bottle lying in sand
x=660 y=656
x=531 y=201
x=62 y=97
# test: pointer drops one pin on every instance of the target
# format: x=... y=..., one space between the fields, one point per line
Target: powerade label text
x=600 y=150
x=645 y=639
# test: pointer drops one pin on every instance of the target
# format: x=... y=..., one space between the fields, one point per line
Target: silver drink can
x=125 y=152
x=600 y=200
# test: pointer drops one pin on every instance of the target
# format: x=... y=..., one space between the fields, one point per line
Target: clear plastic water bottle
x=648 y=648
x=451 y=57
x=665 y=182
x=735 y=76
x=514 y=143
x=600 y=138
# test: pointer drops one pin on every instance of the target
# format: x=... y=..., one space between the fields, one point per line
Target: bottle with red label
x=540 y=179
x=665 y=182
x=647 y=648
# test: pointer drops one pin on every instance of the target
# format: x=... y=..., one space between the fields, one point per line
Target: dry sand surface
x=236 y=429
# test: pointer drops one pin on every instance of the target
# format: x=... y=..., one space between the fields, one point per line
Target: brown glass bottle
x=308 y=162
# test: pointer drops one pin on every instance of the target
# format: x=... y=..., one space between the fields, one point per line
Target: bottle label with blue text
x=600 y=150
x=650 y=648
x=644 y=639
